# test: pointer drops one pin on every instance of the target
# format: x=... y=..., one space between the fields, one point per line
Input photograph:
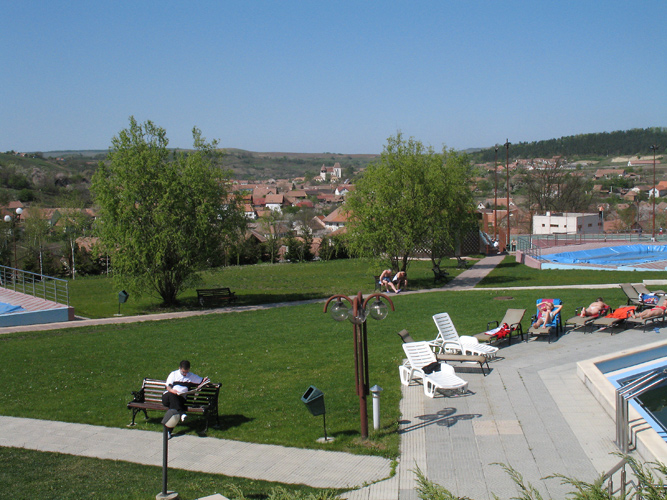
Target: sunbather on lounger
x=649 y=313
x=547 y=314
x=594 y=309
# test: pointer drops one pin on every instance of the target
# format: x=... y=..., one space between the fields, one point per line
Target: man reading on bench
x=178 y=385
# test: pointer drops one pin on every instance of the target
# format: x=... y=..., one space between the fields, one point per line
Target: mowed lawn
x=264 y=359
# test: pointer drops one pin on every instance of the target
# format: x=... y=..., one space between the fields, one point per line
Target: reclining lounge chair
x=583 y=321
x=636 y=322
x=615 y=318
x=461 y=358
x=421 y=360
x=512 y=319
x=555 y=326
x=448 y=339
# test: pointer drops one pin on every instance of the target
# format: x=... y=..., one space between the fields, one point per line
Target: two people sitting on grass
x=397 y=283
x=547 y=314
x=595 y=308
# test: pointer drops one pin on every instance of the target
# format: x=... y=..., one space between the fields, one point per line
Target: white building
x=567 y=223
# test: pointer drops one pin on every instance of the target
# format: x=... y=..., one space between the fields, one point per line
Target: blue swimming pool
x=624 y=256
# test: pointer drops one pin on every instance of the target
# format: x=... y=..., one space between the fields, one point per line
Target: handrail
x=631 y=390
x=624 y=485
x=37 y=285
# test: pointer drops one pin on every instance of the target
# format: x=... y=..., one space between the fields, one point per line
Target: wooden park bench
x=461 y=263
x=439 y=274
x=204 y=401
x=212 y=295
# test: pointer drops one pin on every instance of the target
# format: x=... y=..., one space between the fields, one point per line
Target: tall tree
x=555 y=189
x=411 y=197
x=161 y=219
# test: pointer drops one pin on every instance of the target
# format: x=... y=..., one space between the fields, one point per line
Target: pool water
x=612 y=256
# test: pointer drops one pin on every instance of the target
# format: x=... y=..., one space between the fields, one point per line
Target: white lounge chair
x=448 y=339
x=420 y=355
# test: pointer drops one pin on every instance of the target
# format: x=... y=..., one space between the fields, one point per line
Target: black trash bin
x=122 y=297
x=313 y=398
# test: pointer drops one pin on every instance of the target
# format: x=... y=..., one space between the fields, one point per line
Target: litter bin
x=313 y=398
x=122 y=297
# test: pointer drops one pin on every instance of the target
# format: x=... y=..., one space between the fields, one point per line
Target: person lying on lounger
x=594 y=309
x=547 y=314
x=649 y=313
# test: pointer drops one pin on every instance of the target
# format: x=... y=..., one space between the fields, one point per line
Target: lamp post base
x=170 y=495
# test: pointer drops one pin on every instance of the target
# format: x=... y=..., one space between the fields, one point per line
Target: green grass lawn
x=97 y=297
x=30 y=475
x=264 y=359
x=510 y=273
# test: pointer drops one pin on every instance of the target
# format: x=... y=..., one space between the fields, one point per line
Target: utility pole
x=507 y=169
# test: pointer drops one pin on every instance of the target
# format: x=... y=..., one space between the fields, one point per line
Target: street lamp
x=495 y=198
x=361 y=310
x=653 y=148
x=507 y=168
x=14 y=221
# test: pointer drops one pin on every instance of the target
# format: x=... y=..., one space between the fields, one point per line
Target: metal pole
x=165 y=452
x=507 y=168
x=495 y=199
x=654 y=147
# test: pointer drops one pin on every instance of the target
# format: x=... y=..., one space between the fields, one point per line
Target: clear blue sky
x=336 y=76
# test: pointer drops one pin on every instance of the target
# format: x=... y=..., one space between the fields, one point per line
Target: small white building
x=567 y=223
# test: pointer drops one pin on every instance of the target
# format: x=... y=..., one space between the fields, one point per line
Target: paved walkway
x=530 y=412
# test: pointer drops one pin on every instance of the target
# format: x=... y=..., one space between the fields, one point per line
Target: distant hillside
x=619 y=143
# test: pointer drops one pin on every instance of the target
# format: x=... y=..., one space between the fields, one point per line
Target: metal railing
x=37 y=285
x=617 y=482
x=630 y=391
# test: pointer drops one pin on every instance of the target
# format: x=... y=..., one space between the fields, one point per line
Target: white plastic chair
x=448 y=339
x=419 y=355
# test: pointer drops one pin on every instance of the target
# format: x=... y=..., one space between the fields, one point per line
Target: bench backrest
x=153 y=390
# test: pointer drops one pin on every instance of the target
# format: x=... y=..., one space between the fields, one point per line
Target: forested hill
x=619 y=143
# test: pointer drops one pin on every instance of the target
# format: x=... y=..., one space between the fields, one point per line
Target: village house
x=335 y=220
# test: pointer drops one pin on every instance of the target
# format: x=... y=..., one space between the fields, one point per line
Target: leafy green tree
x=411 y=197
x=162 y=220
x=37 y=231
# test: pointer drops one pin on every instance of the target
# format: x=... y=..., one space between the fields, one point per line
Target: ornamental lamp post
x=14 y=221
x=357 y=316
x=655 y=193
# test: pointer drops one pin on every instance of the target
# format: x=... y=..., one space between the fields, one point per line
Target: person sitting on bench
x=594 y=309
x=177 y=385
x=386 y=281
x=400 y=281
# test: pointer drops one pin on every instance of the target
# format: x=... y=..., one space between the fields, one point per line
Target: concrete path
x=530 y=412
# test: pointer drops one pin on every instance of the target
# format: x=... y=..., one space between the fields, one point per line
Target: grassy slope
x=265 y=360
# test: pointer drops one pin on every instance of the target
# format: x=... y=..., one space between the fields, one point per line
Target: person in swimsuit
x=400 y=281
x=385 y=280
x=654 y=312
x=547 y=314
x=594 y=309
